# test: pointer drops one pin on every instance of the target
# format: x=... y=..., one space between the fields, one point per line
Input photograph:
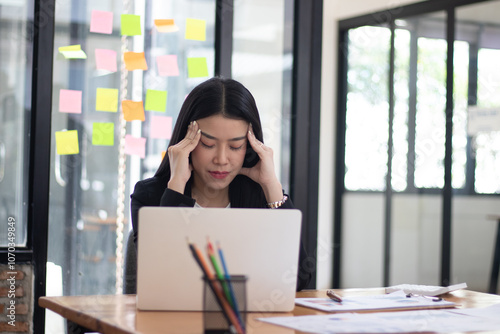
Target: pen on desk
x=332 y=295
x=230 y=286
x=216 y=289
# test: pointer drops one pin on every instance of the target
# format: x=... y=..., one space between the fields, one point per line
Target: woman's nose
x=221 y=156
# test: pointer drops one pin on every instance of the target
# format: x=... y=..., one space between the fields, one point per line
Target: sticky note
x=135 y=146
x=195 y=29
x=103 y=134
x=161 y=127
x=101 y=22
x=105 y=60
x=197 y=67
x=163 y=154
x=70 y=101
x=156 y=100
x=131 y=25
x=73 y=52
x=67 y=142
x=133 y=111
x=167 y=65
x=135 y=61
x=106 y=99
x=166 y=25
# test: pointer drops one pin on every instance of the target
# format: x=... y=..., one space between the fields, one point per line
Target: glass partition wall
x=421 y=149
x=112 y=117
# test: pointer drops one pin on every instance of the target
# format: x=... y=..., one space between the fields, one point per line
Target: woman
x=216 y=158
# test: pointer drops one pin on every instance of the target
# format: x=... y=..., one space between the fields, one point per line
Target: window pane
x=262 y=61
x=487 y=144
x=460 y=102
x=401 y=110
x=15 y=108
x=367 y=108
x=94 y=171
x=430 y=116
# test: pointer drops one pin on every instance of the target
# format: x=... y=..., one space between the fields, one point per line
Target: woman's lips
x=219 y=175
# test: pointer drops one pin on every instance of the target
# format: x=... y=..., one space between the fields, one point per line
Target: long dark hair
x=215 y=96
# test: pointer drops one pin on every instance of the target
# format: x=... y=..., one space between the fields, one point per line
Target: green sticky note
x=106 y=99
x=131 y=25
x=103 y=134
x=67 y=142
x=197 y=67
x=156 y=100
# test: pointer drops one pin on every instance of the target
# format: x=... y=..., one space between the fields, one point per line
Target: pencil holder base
x=215 y=320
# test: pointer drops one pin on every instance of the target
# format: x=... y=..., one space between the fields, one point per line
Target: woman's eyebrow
x=215 y=138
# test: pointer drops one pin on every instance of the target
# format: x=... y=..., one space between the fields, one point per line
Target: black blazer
x=154 y=192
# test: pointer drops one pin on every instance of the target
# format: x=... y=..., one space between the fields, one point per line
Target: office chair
x=130 y=266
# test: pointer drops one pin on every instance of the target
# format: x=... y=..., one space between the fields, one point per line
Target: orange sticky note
x=161 y=127
x=133 y=111
x=166 y=25
x=167 y=65
x=135 y=146
x=195 y=29
x=67 y=142
x=70 y=101
x=105 y=60
x=106 y=99
x=135 y=61
x=101 y=22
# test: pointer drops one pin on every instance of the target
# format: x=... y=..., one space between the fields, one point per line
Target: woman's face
x=219 y=156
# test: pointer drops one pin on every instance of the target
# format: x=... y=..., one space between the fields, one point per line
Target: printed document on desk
x=393 y=301
x=443 y=321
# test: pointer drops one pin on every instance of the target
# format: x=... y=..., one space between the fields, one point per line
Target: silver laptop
x=262 y=244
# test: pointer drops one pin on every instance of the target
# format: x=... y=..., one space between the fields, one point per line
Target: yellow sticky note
x=106 y=99
x=196 y=29
x=197 y=67
x=135 y=61
x=130 y=25
x=166 y=25
x=67 y=142
x=73 y=52
x=133 y=110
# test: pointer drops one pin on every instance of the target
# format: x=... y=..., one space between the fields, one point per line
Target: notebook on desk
x=262 y=244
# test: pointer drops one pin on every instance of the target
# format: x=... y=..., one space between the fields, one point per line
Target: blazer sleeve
x=304 y=273
x=152 y=192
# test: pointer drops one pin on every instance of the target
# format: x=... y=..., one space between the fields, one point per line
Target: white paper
x=395 y=300
x=481 y=119
x=444 y=321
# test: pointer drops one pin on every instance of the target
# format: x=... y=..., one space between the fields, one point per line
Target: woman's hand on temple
x=178 y=155
x=263 y=172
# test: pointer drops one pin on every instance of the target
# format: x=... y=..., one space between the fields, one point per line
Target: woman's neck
x=210 y=198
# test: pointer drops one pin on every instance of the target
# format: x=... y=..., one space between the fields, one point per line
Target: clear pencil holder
x=215 y=319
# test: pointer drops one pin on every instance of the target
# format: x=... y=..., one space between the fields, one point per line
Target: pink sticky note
x=101 y=22
x=105 y=60
x=135 y=146
x=161 y=127
x=70 y=101
x=167 y=65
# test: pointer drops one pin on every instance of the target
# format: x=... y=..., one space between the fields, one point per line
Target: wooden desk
x=117 y=314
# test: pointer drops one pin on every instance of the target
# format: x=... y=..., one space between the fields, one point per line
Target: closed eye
x=237 y=148
x=205 y=145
